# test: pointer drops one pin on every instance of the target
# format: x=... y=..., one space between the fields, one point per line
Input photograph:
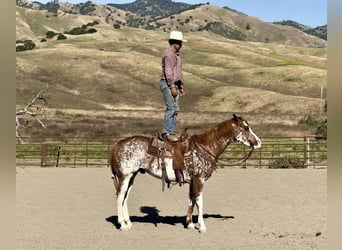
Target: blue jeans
x=172 y=108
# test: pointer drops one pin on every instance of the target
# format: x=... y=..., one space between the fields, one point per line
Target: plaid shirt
x=171 y=66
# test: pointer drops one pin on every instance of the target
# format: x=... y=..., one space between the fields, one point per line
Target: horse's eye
x=247 y=128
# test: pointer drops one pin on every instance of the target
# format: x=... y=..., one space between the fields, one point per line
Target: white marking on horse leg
x=189 y=223
x=120 y=209
x=199 y=203
x=121 y=202
x=125 y=210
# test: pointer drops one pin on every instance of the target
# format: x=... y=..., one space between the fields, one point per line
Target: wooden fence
x=87 y=152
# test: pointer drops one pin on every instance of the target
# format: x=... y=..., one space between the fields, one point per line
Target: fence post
x=306 y=151
x=58 y=154
x=43 y=156
x=244 y=163
x=75 y=152
x=260 y=157
x=86 y=152
x=108 y=154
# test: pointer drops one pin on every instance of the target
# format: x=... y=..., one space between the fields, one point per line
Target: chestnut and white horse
x=130 y=156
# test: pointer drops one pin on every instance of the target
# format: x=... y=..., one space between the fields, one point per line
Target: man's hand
x=174 y=91
x=181 y=92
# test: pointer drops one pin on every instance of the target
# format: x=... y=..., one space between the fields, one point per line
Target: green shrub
x=20 y=48
x=76 y=31
x=50 y=34
x=23 y=41
x=61 y=37
x=322 y=130
x=29 y=45
x=287 y=162
x=309 y=120
x=116 y=26
x=92 y=30
x=43 y=40
x=91 y=24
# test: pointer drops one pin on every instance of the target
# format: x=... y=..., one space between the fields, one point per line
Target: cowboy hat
x=177 y=35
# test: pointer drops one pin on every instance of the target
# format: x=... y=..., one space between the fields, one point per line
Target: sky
x=312 y=13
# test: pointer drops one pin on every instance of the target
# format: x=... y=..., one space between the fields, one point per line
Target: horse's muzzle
x=255 y=144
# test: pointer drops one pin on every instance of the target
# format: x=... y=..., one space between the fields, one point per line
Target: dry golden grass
x=119 y=69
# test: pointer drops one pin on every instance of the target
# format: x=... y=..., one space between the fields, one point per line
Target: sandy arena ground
x=68 y=208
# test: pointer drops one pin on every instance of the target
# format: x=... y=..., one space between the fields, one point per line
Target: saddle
x=178 y=151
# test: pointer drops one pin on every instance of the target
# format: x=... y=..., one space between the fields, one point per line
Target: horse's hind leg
x=123 y=216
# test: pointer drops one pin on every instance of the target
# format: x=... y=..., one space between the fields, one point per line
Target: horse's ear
x=235 y=118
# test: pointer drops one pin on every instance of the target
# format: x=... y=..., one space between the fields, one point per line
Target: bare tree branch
x=33 y=110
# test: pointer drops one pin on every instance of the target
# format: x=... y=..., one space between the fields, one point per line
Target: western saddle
x=178 y=151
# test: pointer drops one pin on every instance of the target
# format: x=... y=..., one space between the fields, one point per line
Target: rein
x=243 y=160
x=221 y=163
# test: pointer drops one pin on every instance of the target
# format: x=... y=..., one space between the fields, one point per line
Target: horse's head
x=244 y=134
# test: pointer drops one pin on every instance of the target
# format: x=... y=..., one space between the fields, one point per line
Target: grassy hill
x=234 y=25
x=102 y=80
x=320 y=31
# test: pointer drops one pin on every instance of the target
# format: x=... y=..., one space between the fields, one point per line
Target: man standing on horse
x=171 y=84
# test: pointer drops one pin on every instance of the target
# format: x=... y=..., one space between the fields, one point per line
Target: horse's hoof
x=128 y=224
x=191 y=226
x=202 y=230
x=126 y=228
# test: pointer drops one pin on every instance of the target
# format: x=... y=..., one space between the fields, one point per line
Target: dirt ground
x=75 y=208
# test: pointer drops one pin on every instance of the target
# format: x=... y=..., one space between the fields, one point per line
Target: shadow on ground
x=152 y=216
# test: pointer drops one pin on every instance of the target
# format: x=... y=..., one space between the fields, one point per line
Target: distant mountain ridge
x=154 y=7
x=166 y=15
x=320 y=31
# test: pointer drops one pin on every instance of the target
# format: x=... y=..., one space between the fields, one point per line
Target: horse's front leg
x=199 y=204
x=196 y=198
x=189 y=223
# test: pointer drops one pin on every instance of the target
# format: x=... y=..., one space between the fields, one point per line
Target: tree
x=33 y=110
x=322 y=129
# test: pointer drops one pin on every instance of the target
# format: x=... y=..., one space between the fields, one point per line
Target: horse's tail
x=116 y=182
x=114 y=167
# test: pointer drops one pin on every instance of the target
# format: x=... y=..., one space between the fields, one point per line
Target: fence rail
x=87 y=152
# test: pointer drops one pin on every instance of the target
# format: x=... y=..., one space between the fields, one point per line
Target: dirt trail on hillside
x=75 y=208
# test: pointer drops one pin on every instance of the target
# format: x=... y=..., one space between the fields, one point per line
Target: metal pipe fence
x=89 y=152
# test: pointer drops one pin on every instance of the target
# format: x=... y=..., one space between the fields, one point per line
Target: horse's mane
x=222 y=130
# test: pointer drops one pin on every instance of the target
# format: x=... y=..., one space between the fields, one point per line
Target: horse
x=130 y=156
